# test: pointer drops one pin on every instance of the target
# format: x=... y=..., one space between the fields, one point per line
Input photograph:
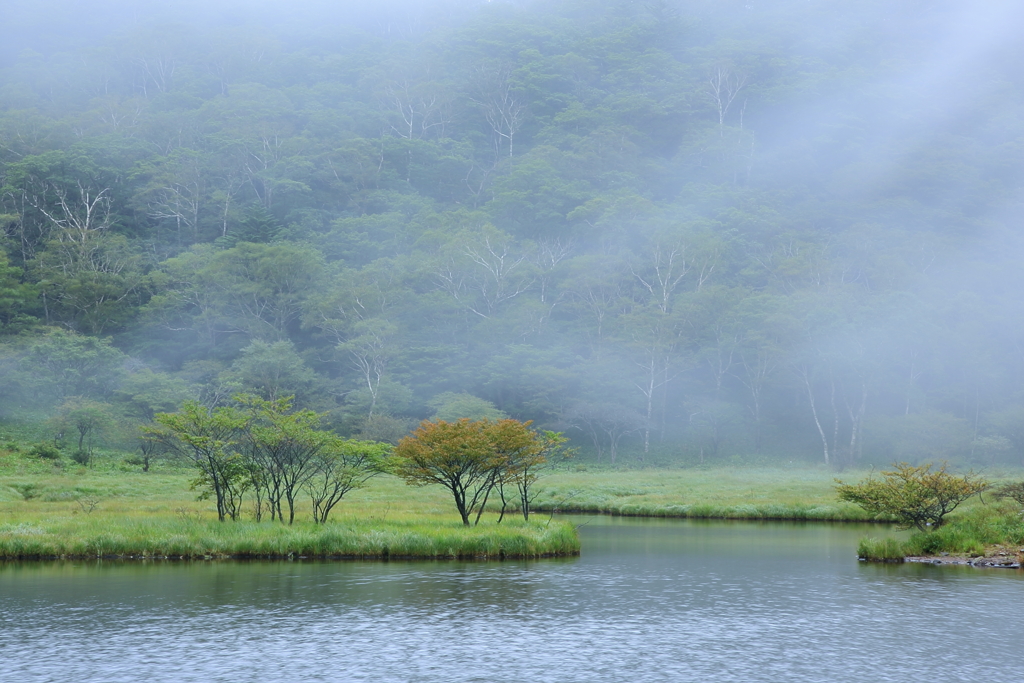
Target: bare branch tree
x=502 y=106
x=724 y=85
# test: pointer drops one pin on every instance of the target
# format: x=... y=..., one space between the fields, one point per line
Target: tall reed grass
x=103 y=537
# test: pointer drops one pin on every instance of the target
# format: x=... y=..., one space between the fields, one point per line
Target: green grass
x=978 y=531
x=87 y=536
x=114 y=510
x=881 y=550
x=713 y=493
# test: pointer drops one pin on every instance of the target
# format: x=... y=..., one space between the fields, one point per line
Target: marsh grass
x=170 y=538
x=111 y=511
x=973 y=533
x=881 y=550
x=713 y=493
x=112 y=508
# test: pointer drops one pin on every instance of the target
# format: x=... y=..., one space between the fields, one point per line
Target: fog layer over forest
x=680 y=232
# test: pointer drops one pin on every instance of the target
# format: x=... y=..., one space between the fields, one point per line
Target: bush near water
x=971 y=534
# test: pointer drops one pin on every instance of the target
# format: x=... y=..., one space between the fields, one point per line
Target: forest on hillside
x=678 y=231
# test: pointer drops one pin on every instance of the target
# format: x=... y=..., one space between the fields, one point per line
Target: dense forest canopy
x=677 y=231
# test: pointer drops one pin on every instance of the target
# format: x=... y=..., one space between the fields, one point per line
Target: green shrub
x=27 y=491
x=915 y=496
x=81 y=457
x=1014 y=492
x=45 y=451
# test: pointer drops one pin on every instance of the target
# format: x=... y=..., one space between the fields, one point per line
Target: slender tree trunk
x=814 y=413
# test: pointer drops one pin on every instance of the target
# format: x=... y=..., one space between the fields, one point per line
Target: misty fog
x=678 y=232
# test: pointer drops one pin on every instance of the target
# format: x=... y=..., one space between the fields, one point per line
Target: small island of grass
x=169 y=538
x=920 y=498
x=990 y=536
x=278 y=486
x=113 y=511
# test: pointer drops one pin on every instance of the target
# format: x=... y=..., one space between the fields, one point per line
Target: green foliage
x=913 y=496
x=204 y=438
x=28 y=491
x=884 y=550
x=44 y=451
x=273 y=371
x=452 y=407
x=63 y=364
x=1014 y=491
x=674 y=245
x=144 y=393
x=342 y=466
x=266 y=448
x=85 y=420
x=17 y=298
x=471 y=458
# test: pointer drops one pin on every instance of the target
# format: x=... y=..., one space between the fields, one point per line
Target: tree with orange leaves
x=456 y=455
x=470 y=458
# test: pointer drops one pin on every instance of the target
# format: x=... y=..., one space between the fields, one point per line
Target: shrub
x=45 y=451
x=1014 y=492
x=913 y=496
x=27 y=491
x=82 y=457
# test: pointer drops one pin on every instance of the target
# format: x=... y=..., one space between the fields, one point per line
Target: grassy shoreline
x=203 y=539
x=983 y=531
x=741 y=493
x=110 y=511
x=49 y=511
x=768 y=513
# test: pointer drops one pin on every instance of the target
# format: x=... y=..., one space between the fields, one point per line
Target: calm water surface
x=649 y=600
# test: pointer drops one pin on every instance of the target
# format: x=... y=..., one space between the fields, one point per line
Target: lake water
x=649 y=600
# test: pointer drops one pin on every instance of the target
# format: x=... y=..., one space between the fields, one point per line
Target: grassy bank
x=50 y=510
x=107 y=537
x=984 y=530
x=113 y=508
x=762 y=493
x=37 y=487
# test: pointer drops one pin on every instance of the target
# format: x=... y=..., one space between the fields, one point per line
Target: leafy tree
x=342 y=466
x=283 y=450
x=273 y=370
x=523 y=453
x=456 y=455
x=385 y=428
x=472 y=457
x=451 y=407
x=256 y=290
x=66 y=364
x=17 y=298
x=206 y=439
x=144 y=393
x=914 y=496
x=86 y=417
x=1014 y=491
x=92 y=282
